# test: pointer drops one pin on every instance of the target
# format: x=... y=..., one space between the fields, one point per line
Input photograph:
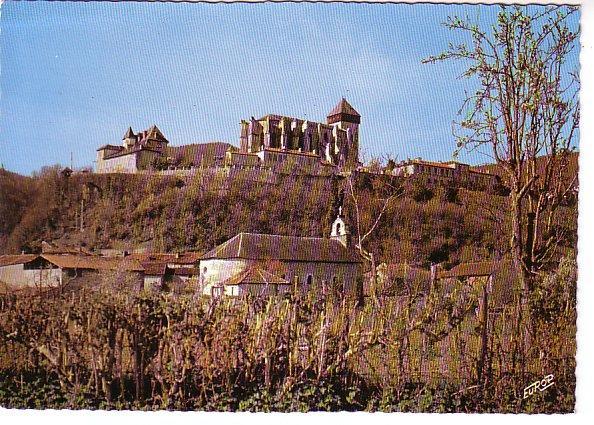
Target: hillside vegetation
x=422 y=224
x=107 y=346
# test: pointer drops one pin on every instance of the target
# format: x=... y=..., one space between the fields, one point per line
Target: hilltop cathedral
x=270 y=142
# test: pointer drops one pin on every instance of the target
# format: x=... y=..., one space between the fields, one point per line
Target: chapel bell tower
x=340 y=232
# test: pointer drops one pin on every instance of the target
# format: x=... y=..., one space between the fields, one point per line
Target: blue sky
x=74 y=76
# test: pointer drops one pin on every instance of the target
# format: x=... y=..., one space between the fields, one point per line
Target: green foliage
x=419 y=190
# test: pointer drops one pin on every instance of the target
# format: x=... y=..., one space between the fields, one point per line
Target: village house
x=494 y=282
x=28 y=271
x=265 y=264
x=168 y=270
x=46 y=271
x=395 y=280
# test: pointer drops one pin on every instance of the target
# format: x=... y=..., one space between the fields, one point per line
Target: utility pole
x=84 y=194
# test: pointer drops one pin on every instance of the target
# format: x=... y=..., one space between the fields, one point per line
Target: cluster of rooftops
x=247 y=246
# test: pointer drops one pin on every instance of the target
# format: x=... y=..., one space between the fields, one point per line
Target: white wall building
x=282 y=261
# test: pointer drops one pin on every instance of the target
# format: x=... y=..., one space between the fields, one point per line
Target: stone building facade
x=495 y=282
x=335 y=142
x=444 y=172
x=272 y=142
x=46 y=271
x=137 y=152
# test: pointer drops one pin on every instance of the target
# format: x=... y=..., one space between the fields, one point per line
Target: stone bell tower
x=340 y=231
x=346 y=118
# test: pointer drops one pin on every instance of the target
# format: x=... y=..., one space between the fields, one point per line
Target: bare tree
x=526 y=113
x=363 y=234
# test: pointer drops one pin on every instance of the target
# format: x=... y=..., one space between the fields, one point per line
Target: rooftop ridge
x=282 y=236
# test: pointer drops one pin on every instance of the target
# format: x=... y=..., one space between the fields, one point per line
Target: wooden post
x=484 y=332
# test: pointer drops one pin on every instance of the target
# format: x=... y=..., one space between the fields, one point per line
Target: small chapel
x=264 y=264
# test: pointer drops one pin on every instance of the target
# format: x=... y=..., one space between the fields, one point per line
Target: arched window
x=309 y=280
x=338 y=228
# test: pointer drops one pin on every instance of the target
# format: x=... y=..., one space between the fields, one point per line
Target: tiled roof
x=504 y=285
x=182 y=258
x=343 y=107
x=153 y=133
x=129 y=134
x=136 y=148
x=185 y=271
x=154 y=268
x=9 y=260
x=119 y=148
x=254 y=246
x=255 y=275
x=93 y=263
x=481 y=268
x=201 y=153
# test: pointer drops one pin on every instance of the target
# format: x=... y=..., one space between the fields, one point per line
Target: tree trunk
x=484 y=337
x=522 y=311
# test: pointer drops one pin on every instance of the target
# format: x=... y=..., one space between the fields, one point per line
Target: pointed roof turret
x=343 y=111
x=153 y=133
x=129 y=134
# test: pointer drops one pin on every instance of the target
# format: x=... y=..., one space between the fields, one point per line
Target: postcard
x=289 y=207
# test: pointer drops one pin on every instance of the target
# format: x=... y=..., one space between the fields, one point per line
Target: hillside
x=421 y=225
x=568 y=166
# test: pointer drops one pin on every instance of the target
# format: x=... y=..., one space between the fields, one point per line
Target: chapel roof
x=255 y=276
x=255 y=246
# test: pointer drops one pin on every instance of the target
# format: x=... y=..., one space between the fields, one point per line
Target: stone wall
x=128 y=163
x=16 y=276
x=119 y=164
